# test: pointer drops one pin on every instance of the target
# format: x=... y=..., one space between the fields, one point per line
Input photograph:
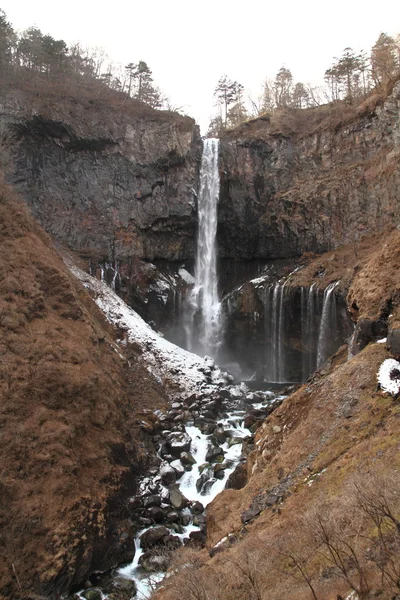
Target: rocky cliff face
x=105 y=182
x=285 y=194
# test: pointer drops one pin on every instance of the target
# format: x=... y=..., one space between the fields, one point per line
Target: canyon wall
x=283 y=194
x=105 y=182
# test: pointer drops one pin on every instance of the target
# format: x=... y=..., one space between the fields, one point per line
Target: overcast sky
x=189 y=44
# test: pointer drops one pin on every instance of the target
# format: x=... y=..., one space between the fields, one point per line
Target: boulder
x=215 y=454
x=153 y=500
x=152 y=562
x=178 y=468
x=394 y=342
x=92 y=594
x=173 y=516
x=168 y=474
x=196 y=508
x=124 y=589
x=187 y=459
x=176 y=498
x=156 y=513
x=153 y=537
x=220 y=435
x=178 y=442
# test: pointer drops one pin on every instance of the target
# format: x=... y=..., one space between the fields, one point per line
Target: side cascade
x=279 y=333
x=317 y=331
x=203 y=319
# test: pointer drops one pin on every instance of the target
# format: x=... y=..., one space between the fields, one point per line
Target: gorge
x=273 y=254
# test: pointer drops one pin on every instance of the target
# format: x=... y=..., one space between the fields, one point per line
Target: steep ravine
x=71 y=444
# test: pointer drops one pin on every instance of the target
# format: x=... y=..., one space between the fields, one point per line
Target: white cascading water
x=204 y=326
x=327 y=325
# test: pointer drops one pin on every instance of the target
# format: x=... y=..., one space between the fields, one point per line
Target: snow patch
x=179 y=370
x=186 y=276
x=389 y=376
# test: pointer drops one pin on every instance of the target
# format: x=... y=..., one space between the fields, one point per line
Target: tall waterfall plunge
x=204 y=323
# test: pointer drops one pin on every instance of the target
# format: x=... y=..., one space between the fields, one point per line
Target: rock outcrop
x=107 y=183
x=283 y=194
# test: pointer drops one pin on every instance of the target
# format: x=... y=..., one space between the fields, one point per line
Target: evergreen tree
x=7 y=41
x=300 y=96
x=226 y=93
x=384 y=59
x=283 y=87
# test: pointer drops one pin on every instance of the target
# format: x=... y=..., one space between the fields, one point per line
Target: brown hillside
x=328 y=447
x=70 y=448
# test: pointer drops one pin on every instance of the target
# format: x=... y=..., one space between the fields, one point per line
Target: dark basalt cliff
x=285 y=194
x=106 y=182
x=113 y=185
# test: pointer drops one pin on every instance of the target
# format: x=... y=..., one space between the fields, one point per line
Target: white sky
x=189 y=45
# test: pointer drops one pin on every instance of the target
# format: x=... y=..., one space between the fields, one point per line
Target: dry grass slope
x=70 y=446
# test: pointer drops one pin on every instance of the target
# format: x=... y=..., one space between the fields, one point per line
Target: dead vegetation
x=309 y=121
x=70 y=444
x=349 y=543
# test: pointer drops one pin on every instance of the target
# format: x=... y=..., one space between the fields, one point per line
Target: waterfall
x=309 y=315
x=300 y=330
x=273 y=297
x=204 y=327
x=327 y=326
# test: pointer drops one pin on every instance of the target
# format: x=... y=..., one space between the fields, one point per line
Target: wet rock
x=178 y=442
x=220 y=435
x=123 y=589
x=153 y=500
x=156 y=513
x=238 y=479
x=196 y=508
x=153 y=537
x=219 y=474
x=215 y=454
x=200 y=483
x=145 y=522
x=233 y=441
x=173 y=516
x=199 y=521
x=168 y=474
x=207 y=486
x=176 y=497
x=197 y=538
x=185 y=520
x=152 y=562
x=178 y=468
x=92 y=594
x=187 y=459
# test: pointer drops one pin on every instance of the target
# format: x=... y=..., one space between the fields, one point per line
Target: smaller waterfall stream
x=204 y=326
x=300 y=329
x=328 y=324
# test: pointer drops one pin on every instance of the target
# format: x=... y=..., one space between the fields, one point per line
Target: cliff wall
x=283 y=194
x=106 y=181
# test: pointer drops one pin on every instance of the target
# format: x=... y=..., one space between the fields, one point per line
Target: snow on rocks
x=389 y=376
x=179 y=370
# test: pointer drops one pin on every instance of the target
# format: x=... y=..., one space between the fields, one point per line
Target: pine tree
x=226 y=93
x=283 y=87
x=7 y=41
x=384 y=59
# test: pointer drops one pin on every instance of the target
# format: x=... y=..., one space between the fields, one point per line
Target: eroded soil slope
x=70 y=447
x=321 y=460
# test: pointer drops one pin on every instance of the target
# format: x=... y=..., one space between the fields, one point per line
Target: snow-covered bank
x=178 y=370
